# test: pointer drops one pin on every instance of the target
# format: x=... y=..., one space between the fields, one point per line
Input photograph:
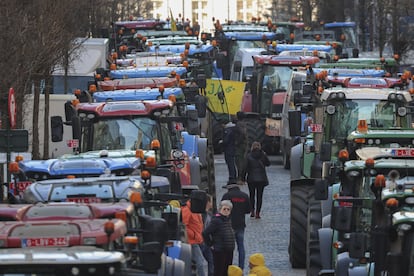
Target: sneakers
x=257 y=215
x=252 y=214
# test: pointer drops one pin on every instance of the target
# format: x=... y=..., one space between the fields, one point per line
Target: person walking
x=257 y=161
x=241 y=207
x=229 y=150
x=205 y=249
x=219 y=235
x=194 y=227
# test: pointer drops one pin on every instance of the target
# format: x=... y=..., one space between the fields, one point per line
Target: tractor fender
x=296 y=165
x=195 y=171
x=325 y=247
x=343 y=266
x=326 y=221
x=327 y=209
x=172 y=267
x=190 y=143
x=361 y=270
x=181 y=251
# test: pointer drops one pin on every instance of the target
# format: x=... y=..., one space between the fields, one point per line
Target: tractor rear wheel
x=313 y=256
x=299 y=197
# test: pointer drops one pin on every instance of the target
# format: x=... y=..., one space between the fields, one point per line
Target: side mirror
x=172 y=224
x=321 y=189
x=193 y=127
x=56 y=125
x=69 y=112
x=295 y=122
x=357 y=245
x=155 y=229
x=326 y=152
x=201 y=80
x=151 y=256
x=237 y=66
x=76 y=128
x=341 y=218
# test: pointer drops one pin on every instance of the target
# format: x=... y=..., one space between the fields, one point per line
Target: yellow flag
x=173 y=24
x=233 y=92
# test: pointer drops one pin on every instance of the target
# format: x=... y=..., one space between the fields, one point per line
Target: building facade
x=204 y=11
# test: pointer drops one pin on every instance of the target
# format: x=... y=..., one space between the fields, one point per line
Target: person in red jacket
x=194 y=226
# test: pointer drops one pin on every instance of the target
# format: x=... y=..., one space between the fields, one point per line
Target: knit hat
x=175 y=203
x=234 y=270
x=261 y=270
x=257 y=259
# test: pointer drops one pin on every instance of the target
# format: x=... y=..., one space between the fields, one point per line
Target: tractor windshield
x=378 y=114
x=275 y=79
x=125 y=134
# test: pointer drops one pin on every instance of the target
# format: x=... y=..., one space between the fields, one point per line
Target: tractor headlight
x=402 y=111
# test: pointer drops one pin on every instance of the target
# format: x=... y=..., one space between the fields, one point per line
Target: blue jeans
x=198 y=259
x=239 y=235
x=208 y=255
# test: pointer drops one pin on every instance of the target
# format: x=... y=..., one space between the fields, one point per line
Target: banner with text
x=230 y=99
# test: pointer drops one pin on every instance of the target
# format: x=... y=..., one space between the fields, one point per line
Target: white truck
x=88 y=55
x=56 y=108
x=242 y=66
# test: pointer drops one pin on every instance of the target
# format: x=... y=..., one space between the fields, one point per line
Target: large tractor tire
x=255 y=130
x=299 y=197
x=313 y=256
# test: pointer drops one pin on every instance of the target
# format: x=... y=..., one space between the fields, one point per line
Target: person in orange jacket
x=194 y=227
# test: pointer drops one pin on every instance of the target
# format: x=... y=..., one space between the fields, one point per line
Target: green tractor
x=336 y=113
x=370 y=224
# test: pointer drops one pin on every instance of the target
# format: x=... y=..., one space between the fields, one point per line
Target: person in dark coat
x=229 y=149
x=241 y=149
x=241 y=207
x=257 y=161
x=219 y=235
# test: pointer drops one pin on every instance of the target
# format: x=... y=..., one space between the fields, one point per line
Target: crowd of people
x=215 y=236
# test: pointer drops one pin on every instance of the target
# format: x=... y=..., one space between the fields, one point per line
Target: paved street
x=270 y=234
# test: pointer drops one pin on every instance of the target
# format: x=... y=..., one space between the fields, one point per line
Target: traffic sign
x=12 y=108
